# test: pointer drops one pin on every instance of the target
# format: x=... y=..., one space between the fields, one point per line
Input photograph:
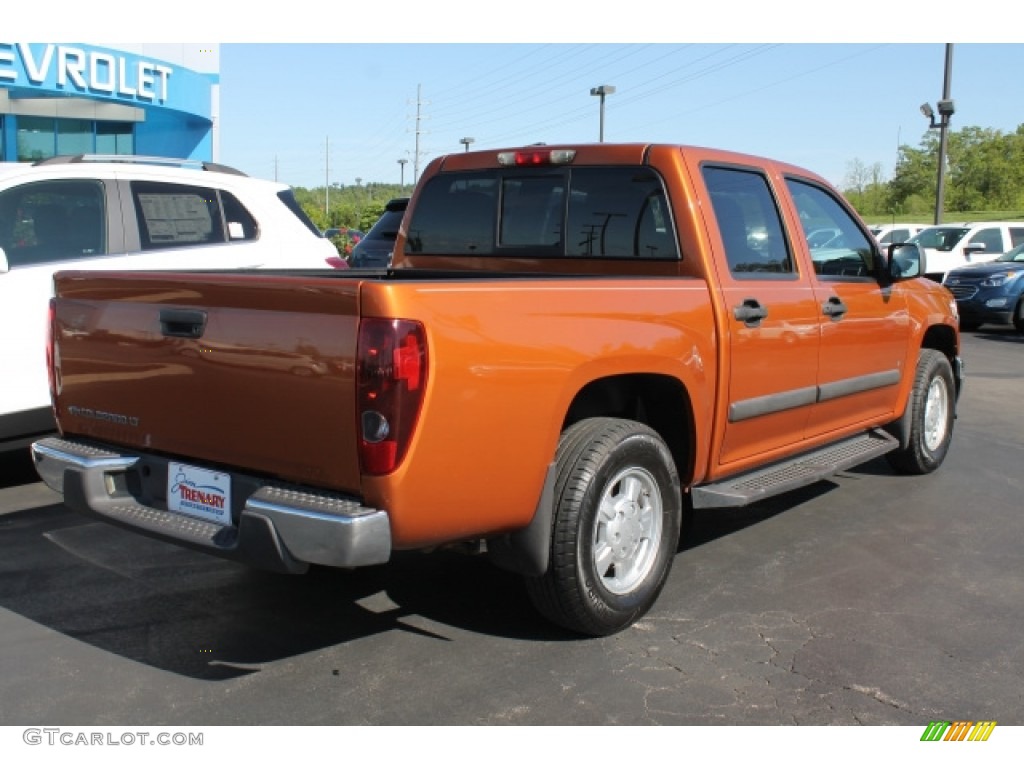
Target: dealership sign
x=80 y=70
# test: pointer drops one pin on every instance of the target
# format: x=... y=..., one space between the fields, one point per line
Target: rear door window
x=177 y=215
x=749 y=222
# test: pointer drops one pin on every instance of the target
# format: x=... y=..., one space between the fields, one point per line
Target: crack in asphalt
x=785 y=637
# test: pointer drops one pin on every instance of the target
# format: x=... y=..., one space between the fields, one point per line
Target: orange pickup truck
x=573 y=347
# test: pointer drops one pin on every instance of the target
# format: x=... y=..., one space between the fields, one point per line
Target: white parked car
x=948 y=246
x=125 y=212
x=886 y=234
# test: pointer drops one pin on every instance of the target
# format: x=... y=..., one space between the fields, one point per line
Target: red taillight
x=336 y=262
x=391 y=371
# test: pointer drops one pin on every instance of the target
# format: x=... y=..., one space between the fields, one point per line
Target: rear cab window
x=591 y=212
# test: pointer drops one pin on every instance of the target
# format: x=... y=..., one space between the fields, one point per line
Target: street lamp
x=602 y=91
x=946 y=109
x=466 y=141
x=401 y=162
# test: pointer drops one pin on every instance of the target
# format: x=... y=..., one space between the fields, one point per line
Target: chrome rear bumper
x=274 y=526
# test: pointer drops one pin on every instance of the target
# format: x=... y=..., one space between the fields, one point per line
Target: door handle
x=182 y=323
x=750 y=312
x=834 y=308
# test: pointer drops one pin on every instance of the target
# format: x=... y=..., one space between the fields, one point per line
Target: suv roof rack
x=142 y=159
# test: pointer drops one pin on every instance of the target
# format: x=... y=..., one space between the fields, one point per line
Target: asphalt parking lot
x=871 y=599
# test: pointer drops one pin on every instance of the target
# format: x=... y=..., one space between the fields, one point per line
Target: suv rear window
x=287 y=197
x=619 y=212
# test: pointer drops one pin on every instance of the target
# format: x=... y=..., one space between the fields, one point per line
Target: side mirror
x=905 y=260
x=5 y=265
x=975 y=248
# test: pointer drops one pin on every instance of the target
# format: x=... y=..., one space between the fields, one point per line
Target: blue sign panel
x=74 y=69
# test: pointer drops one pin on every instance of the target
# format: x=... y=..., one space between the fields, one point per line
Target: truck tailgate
x=254 y=371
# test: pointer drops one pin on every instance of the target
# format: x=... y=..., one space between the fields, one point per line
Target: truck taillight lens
x=391 y=373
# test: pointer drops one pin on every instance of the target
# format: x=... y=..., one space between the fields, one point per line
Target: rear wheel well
x=661 y=402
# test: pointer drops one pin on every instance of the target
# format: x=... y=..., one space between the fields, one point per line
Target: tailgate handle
x=183 y=323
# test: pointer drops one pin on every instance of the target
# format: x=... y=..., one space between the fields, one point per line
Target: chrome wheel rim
x=627 y=530
x=936 y=414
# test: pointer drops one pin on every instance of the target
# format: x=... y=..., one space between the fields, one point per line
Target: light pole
x=946 y=109
x=401 y=162
x=466 y=141
x=602 y=91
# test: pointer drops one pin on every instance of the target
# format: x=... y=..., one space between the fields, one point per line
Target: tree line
x=355 y=207
x=984 y=173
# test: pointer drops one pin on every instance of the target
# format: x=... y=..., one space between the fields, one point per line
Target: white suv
x=948 y=246
x=886 y=234
x=125 y=212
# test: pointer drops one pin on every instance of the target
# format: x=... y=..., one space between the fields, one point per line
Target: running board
x=740 y=490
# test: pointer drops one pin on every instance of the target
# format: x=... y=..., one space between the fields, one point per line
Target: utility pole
x=945 y=114
x=418 y=130
x=416 y=154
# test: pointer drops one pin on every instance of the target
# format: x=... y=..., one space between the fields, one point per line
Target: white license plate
x=199 y=492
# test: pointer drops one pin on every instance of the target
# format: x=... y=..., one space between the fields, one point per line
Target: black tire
x=1018 y=316
x=605 y=572
x=932 y=403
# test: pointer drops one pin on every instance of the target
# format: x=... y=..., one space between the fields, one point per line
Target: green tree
x=984 y=172
x=866 y=189
x=912 y=188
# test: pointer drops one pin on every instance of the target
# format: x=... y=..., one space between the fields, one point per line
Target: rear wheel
x=931 y=417
x=615 y=528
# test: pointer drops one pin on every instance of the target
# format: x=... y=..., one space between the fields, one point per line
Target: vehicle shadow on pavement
x=207 y=618
x=1001 y=334
x=706 y=525
x=16 y=468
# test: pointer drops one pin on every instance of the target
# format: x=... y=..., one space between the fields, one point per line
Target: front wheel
x=615 y=527
x=931 y=405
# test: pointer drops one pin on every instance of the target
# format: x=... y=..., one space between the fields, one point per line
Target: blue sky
x=314 y=92
x=313 y=112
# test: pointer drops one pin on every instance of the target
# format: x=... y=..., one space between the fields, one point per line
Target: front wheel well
x=942 y=338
